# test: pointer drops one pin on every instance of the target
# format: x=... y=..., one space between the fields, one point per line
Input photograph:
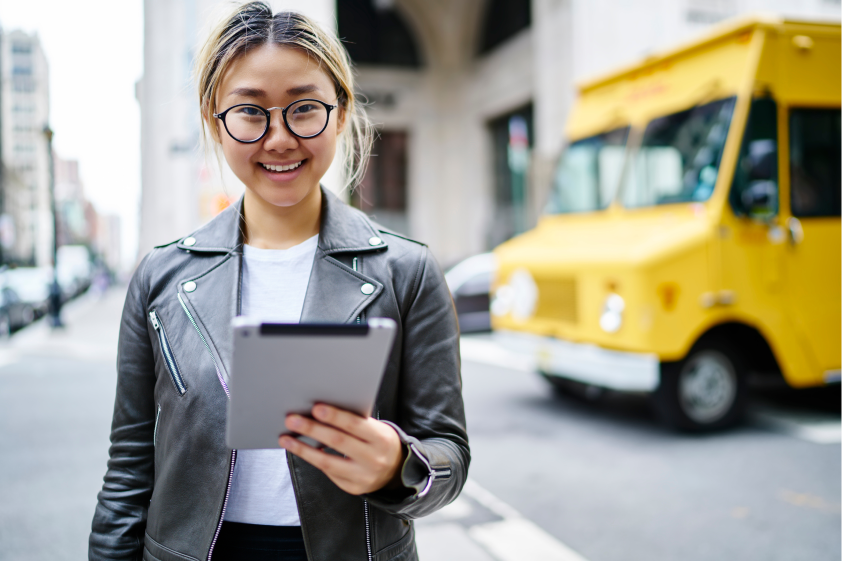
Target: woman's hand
x=373 y=452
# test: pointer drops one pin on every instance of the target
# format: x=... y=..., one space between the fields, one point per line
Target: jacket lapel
x=335 y=292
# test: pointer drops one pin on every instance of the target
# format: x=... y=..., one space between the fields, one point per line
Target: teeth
x=282 y=168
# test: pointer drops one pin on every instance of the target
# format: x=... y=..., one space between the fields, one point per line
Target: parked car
x=470 y=282
x=14 y=312
x=32 y=285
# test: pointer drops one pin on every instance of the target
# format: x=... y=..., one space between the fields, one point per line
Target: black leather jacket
x=169 y=470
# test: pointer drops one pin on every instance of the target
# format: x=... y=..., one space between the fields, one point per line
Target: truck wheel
x=705 y=391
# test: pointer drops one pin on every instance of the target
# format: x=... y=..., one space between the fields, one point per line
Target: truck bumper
x=588 y=364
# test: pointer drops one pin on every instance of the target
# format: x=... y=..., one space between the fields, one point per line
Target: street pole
x=55 y=290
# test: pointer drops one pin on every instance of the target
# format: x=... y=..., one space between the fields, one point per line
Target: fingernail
x=295 y=422
x=320 y=411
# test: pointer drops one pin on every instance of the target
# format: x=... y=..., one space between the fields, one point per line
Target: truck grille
x=556 y=299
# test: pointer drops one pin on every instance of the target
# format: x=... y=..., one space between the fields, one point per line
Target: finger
x=344 y=420
x=328 y=463
x=340 y=441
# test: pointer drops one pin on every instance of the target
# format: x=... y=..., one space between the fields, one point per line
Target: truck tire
x=704 y=392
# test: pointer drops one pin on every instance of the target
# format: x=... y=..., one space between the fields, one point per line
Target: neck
x=272 y=227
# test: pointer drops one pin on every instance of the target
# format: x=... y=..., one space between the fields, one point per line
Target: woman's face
x=275 y=76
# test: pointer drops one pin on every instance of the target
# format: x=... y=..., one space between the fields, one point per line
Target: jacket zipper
x=354 y=265
x=224 y=504
x=172 y=366
x=155 y=433
x=233 y=452
x=207 y=347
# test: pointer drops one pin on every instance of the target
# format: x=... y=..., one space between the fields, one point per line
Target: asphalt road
x=551 y=478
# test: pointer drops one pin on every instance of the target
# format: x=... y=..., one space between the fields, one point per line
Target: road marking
x=515 y=537
x=494 y=527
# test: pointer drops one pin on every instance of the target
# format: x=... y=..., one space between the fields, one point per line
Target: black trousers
x=253 y=542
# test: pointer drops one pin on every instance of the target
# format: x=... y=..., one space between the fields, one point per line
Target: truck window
x=754 y=190
x=678 y=158
x=814 y=162
x=588 y=173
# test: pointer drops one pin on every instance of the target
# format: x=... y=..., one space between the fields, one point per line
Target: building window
x=374 y=32
x=22 y=71
x=502 y=20
x=21 y=48
x=382 y=192
x=512 y=138
x=814 y=160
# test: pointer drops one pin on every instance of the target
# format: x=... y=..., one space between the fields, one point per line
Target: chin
x=284 y=197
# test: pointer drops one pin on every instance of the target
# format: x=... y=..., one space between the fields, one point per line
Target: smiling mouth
x=276 y=169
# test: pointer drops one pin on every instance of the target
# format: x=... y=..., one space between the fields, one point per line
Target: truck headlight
x=518 y=297
x=612 y=313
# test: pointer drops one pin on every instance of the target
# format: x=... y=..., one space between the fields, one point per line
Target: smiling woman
x=277 y=100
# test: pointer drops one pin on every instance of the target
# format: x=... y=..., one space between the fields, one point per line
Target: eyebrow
x=248 y=92
x=298 y=90
x=257 y=92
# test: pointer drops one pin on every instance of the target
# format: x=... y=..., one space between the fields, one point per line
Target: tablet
x=287 y=368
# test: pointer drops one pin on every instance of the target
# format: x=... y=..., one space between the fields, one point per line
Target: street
x=554 y=478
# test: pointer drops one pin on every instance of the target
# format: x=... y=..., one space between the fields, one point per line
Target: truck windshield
x=588 y=173
x=678 y=158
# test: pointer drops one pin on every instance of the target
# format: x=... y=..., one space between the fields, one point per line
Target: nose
x=278 y=138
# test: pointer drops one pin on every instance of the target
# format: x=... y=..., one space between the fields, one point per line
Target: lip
x=282 y=176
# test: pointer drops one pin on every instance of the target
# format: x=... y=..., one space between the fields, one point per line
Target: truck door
x=811 y=219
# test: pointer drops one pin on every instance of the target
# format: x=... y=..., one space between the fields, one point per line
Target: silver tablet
x=287 y=368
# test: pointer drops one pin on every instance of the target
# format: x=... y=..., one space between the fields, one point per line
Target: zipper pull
x=154 y=318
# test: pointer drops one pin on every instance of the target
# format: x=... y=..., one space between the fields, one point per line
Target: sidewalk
x=55 y=410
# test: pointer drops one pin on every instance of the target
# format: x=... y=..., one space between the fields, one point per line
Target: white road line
x=514 y=538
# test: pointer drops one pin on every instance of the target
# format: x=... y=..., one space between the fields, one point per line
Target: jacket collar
x=342 y=229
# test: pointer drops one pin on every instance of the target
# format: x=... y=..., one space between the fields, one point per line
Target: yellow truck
x=692 y=235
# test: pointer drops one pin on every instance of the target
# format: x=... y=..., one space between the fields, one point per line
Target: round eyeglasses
x=249 y=123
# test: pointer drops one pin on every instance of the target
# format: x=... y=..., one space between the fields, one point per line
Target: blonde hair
x=251 y=25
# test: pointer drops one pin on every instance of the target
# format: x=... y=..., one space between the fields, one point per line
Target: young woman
x=277 y=96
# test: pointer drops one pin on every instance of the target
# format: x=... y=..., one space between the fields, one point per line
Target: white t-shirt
x=274 y=284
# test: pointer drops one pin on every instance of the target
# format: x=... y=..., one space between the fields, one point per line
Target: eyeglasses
x=249 y=123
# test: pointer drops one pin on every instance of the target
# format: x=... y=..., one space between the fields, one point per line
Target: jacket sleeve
x=119 y=522
x=432 y=415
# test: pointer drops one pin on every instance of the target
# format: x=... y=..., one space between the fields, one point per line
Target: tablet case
x=287 y=368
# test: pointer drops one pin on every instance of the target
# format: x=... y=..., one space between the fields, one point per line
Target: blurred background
x=475 y=102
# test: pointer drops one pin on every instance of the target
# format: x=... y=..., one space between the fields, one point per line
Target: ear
x=211 y=123
x=341 y=120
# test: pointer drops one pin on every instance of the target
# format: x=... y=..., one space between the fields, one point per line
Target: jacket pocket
x=166 y=350
x=402 y=549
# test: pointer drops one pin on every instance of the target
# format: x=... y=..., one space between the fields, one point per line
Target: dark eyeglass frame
x=221 y=117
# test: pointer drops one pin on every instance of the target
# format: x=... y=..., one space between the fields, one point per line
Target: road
x=551 y=478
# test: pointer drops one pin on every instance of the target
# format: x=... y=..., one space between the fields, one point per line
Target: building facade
x=470 y=99
x=26 y=225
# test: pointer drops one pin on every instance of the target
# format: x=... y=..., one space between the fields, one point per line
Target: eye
x=248 y=111
x=305 y=108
